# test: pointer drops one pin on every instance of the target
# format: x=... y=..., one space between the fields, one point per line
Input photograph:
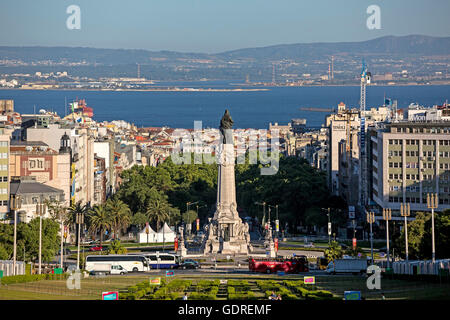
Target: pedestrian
x=185 y=297
x=382 y=296
x=273 y=296
x=279 y=297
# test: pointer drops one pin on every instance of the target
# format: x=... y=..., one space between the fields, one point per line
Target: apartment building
x=4 y=173
x=409 y=160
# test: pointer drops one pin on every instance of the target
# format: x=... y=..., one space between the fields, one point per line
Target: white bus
x=162 y=260
x=131 y=263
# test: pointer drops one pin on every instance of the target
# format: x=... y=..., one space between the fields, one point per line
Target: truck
x=353 y=266
x=288 y=265
x=106 y=268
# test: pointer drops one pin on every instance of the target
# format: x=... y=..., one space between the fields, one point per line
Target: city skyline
x=200 y=26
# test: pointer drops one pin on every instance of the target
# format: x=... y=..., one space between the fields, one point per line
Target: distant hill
x=404 y=45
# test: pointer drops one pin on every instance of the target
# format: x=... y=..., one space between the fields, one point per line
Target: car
x=96 y=248
x=189 y=264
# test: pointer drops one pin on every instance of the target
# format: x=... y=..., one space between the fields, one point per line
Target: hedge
x=32 y=277
x=242 y=296
x=202 y=296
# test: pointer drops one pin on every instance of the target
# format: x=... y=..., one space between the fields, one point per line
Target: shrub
x=202 y=296
x=178 y=285
x=174 y=295
x=242 y=296
x=267 y=285
x=140 y=294
x=132 y=289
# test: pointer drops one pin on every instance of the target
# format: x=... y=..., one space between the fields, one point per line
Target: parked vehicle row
x=121 y=264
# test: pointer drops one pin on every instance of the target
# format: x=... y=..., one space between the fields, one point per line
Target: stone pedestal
x=226 y=233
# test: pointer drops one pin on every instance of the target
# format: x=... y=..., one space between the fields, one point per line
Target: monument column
x=226 y=218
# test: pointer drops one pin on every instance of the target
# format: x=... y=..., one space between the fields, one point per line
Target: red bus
x=288 y=265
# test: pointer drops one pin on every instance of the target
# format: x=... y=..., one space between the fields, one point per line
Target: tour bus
x=131 y=263
x=162 y=260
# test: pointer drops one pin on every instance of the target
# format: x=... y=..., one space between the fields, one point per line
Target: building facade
x=410 y=160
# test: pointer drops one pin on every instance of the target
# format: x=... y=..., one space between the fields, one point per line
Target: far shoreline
x=248 y=89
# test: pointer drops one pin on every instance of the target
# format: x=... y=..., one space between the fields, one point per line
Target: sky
x=212 y=26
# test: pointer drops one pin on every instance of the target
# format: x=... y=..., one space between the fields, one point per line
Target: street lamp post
x=405 y=211
x=370 y=220
x=264 y=210
x=432 y=203
x=15 y=205
x=387 y=215
x=329 y=227
x=276 y=221
x=40 y=211
x=79 y=221
x=62 y=239
x=199 y=207
x=188 y=204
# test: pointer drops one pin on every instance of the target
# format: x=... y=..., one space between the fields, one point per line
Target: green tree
x=120 y=215
x=100 y=220
x=7 y=238
x=419 y=236
x=158 y=211
x=77 y=208
x=174 y=216
x=4 y=255
x=139 y=219
x=56 y=209
x=333 y=252
x=189 y=216
x=115 y=247
x=50 y=238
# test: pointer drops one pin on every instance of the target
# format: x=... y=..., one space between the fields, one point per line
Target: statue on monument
x=226 y=124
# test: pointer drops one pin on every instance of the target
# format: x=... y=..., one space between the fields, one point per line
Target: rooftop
x=24 y=185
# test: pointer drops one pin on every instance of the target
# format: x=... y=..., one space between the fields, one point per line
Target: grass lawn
x=92 y=287
x=392 y=289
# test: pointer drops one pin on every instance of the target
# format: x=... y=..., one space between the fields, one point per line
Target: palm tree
x=75 y=209
x=100 y=220
x=120 y=215
x=158 y=211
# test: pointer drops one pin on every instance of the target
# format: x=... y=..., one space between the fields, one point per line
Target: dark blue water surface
x=248 y=109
